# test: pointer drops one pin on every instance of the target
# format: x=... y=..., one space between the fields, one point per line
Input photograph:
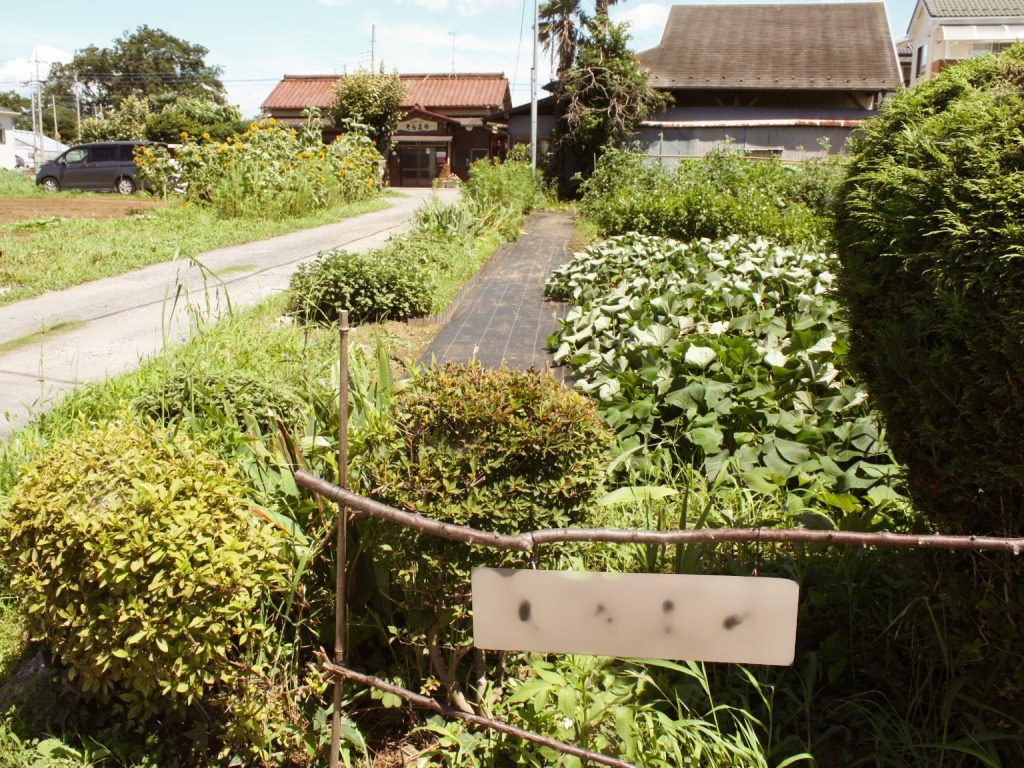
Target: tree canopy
x=149 y=64
x=370 y=99
x=603 y=97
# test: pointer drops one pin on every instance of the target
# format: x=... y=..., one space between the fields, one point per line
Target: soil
x=22 y=208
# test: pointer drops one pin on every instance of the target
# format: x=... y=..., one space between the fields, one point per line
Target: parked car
x=108 y=165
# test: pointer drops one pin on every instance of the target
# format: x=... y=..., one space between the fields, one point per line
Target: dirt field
x=22 y=208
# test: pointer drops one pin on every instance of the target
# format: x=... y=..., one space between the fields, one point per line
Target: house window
x=3 y=136
x=980 y=49
x=478 y=154
x=922 y=59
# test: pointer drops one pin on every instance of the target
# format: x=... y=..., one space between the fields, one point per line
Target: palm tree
x=560 y=22
x=559 y=29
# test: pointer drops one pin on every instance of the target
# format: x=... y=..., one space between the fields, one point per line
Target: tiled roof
x=834 y=46
x=433 y=91
x=974 y=8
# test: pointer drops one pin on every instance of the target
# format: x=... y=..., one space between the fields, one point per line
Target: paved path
x=503 y=318
x=115 y=321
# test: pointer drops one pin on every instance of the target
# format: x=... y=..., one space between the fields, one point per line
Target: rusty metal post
x=340 y=618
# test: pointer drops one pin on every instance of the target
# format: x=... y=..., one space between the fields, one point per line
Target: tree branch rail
x=527 y=541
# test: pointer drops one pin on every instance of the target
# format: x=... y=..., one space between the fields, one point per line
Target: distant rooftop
x=812 y=46
x=974 y=8
x=432 y=91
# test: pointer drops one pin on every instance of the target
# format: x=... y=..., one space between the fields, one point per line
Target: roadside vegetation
x=268 y=181
x=51 y=253
x=725 y=376
x=238 y=405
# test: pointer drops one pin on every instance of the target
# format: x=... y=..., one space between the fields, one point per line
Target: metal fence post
x=340 y=618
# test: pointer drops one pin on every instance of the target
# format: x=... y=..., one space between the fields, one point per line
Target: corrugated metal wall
x=792 y=143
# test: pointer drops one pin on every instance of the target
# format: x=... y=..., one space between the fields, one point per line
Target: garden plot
x=28 y=208
x=728 y=355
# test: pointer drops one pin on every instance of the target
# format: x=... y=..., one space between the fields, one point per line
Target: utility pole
x=373 y=48
x=38 y=153
x=53 y=103
x=533 y=89
x=453 y=51
x=78 y=109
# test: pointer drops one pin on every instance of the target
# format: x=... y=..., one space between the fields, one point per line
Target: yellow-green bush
x=140 y=565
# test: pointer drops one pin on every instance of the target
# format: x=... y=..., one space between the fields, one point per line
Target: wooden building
x=774 y=80
x=444 y=119
x=771 y=79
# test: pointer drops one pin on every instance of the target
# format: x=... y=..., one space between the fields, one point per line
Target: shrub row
x=717 y=196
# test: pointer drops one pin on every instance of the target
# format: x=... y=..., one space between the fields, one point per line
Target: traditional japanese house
x=444 y=120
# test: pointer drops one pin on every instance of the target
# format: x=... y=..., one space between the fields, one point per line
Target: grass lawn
x=53 y=253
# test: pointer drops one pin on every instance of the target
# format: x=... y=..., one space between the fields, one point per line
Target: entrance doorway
x=418 y=164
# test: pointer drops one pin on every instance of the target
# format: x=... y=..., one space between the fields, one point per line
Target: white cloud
x=434 y=6
x=24 y=69
x=644 y=17
x=436 y=36
x=462 y=7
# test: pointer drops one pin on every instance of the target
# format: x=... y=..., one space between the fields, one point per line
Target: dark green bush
x=235 y=393
x=931 y=237
x=371 y=286
x=140 y=565
x=716 y=196
x=500 y=450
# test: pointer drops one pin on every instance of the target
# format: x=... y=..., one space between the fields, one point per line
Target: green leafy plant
x=728 y=354
x=501 y=450
x=931 y=235
x=370 y=287
x=716 y=196
x=370 y=99
x=268 y=171
x=125 y=122
x=141 y=567
x=237 y=394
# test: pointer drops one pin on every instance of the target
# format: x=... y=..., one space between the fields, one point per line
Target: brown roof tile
x=433 y=91
x=974 y=8
x=833 y=46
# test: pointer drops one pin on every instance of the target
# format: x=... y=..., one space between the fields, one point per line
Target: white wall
x=7 y=145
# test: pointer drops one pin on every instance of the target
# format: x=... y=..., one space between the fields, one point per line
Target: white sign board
x=417 y=126
x=745 y=620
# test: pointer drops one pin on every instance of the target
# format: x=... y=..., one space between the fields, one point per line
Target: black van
x=108 y=165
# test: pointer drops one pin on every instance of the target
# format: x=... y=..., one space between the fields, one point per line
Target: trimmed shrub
x=500 y=450
x=371 y=286
x=140 y=565
x=235 y=393
x=931 y=238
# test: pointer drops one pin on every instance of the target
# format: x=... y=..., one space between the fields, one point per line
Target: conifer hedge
x=930 y=230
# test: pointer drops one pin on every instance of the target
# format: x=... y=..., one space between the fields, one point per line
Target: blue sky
x=258 y=40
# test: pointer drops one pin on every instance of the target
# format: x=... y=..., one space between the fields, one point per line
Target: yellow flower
x=184 y=134
x=206 y=134
x=272 y=121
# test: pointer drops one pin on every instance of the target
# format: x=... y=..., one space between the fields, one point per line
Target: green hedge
x=931 y=238
x=719 y=195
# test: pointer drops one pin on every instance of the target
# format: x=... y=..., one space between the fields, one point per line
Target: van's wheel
x=126 y=186
x=50 y=184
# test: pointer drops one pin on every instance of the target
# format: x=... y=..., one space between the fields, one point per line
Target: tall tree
x=370 y=99
x=15 y=102
x=149 y=64
x=558 y=30
x=602 y=99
